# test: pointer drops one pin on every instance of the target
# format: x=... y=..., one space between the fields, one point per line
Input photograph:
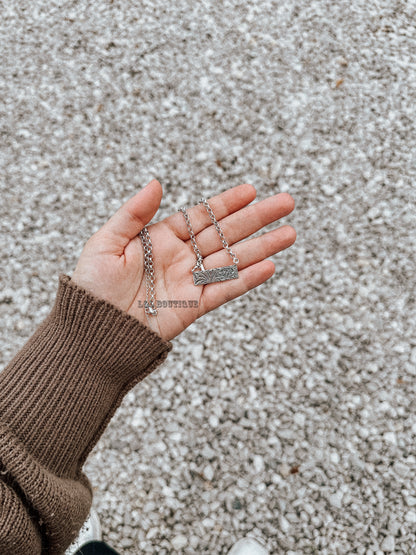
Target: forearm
x=56 y=397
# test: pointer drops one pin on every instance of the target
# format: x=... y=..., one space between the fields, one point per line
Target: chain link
x=150 y=303
x=204 y=202
x=199 y=259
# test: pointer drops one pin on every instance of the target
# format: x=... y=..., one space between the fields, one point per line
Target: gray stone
x=208 y=473
x=388 y=544
x=336 y=499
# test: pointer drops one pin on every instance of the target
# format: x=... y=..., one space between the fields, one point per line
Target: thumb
x=131 y=218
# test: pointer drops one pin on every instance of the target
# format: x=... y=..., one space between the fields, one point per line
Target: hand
x=111 y=265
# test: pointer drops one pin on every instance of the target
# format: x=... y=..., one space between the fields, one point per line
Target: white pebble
x=138 y=418
x=334 y=457
x=179 y=542
x=276 y=338
x=213 y=420
x=336 y=499
x=410 y=517
x=258 y=463
x=284 y=470
x=410 y=500
x=208 y=473
x=401 y=469
x=167 y=384
x=390 y=437
x=388 y=544
x=284 y=524
x=299 y=419
x=269 y=379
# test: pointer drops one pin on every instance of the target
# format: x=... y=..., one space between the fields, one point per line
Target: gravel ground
x=289 y=414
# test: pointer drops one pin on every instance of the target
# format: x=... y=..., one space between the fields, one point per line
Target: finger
x=256 y=249
x=130 y=219
x=245 y=222
x=222 y=205
x=217 y=294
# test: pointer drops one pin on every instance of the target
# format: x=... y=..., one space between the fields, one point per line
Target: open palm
x=111 y=265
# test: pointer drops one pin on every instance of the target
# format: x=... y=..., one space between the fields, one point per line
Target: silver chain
x=150 y=302
x=204 y=202
x=199 y=258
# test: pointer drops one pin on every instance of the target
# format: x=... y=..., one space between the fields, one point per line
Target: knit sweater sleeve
x=57 y=396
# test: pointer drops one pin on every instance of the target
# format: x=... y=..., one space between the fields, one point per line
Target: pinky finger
x=217 y=294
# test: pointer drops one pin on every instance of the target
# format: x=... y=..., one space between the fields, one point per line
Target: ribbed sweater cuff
x=59 y=392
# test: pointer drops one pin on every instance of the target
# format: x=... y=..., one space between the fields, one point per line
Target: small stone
x=388 y=544
x=373 y=213
x=179 y=542
x=250 y=347
x=208 y=453
x=284 y=470
x=152 y=533
x=299 y=419
x=126 y=542
x=213 y=420
x=276 y=338
x=208 y=523
x=328 y=189
x=197 y=351
x=336 y=499
x=390 y=437
x=410 y=500
x=138 y=418
x=202 y=156
x=236 y=504
x=194 y=542
x=309 y=508
x=410 y=517
x=363 y=433
x=334 y=457
x=167 y=384
x=284 y=524
x=393 y=527
x=258 y=463
x=208 y=473
x=269 y=379
x=401 y=469
x=316 y=521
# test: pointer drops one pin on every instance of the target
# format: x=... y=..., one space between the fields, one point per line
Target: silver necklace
x=201 y=275
x=150 y=302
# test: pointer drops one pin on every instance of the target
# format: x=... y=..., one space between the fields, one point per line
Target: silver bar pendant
x=203 y=277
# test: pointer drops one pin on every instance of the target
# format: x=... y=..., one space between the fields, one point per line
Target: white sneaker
x=90 y=531
x=248 y=546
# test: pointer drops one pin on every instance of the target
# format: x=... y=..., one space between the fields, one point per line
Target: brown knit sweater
x=56 y=397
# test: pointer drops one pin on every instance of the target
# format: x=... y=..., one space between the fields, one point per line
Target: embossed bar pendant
x=213 y=275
